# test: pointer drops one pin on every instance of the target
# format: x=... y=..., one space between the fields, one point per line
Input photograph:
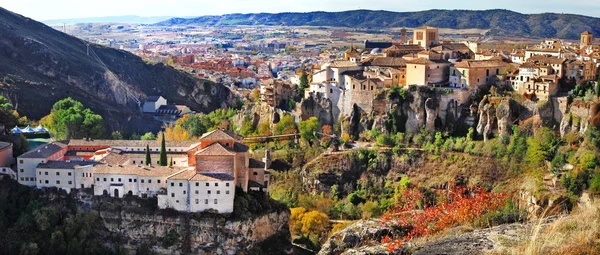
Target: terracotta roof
x=155 y=171
x=492 y=63
x=586 y=33
x=387 y=62
x=425 y=27
x=219 y=134
x=405 y=47
x=130 y=143
x=546 y=59
x=185 y=175
x=215 y=149
x=212 y=177
x=343 y=63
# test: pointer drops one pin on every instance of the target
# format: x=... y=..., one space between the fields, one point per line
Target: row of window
x=157 y=162
x=198 y=184
x=28 y=179
x=130 y=180
x=57 y=173
x=57 y=182
x=198 y=201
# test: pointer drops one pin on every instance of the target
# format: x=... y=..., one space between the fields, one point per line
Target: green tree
x=148 y=136
x=68 y=119
x=116 y=135
x=541 y=147
x=309 y=128
x=148 y=158
x=162 y=161
x=7 y=115
x=303 y=83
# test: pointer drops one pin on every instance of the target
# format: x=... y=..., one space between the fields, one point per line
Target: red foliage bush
x=459 y=206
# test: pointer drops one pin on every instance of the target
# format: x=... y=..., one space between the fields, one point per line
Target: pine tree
x=148 y=159
x=171 y=162
x=162 y=161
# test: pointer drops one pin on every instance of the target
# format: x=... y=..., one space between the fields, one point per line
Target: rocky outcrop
x=196 y=235
x=431 y=113
x=322 y=108
x=506 y=113
x=486 y=119
x=257 y=113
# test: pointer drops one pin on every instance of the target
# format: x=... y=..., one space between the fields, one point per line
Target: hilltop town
x=274 y=138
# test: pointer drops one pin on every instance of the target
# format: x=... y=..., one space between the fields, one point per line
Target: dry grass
x=578 y=233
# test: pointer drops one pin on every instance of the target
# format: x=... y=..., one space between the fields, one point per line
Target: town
x=352 y=132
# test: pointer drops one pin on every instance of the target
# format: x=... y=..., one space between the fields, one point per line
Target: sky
x=68 y=9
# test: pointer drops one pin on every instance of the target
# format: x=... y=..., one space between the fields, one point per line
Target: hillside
x=499 y=22
x=44 y=65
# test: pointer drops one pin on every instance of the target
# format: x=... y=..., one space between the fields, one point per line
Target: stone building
x=426 y=36
x=475 y=73
x=426 y=72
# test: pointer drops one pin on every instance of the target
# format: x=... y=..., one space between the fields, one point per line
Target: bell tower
x=586 y=39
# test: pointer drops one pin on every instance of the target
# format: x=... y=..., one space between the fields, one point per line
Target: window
x=82 y=175
x=181 y=184
x=22 y=179
x=57 y=182
x=69 y=174
x=134 y=180
x=57 y=173
x=206 y=201
x=197 y=201
x=216 y=184
x=157 y=181
x=207 y=184
x=40 y=181
x=208 y=192
x=134 y=162
x=45 y=173
x=142 y=180
x=172 y=184
x=215 y=201
x=119 y=179
x=218 y=192
x=26 y=179
x=197 y=184
x=104 y=179
x=21 y=161
x=177 y=201
x=97 y=179
x=255 y=173
x=227 y=192
x=46 y=181
x=172 y=194
x=70 y=182
x=129 y=179
x=197 y=192
x=149 y=181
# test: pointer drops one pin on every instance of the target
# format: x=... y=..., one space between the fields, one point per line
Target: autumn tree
x=69 y=119
x=256 y=95
x=309 y=128
x=177 y=133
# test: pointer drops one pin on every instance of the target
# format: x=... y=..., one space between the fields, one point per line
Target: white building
x=153 y=103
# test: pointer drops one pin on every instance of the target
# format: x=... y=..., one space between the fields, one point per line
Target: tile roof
x=4 y=145
x=215 y=149
x=184 y=175
x=44 y=150
x=546 y=59
x=130 y=143
x=212 y=177
x=254 y=163
x=491 y=63
x=387 y=62
x=240 y=147
x=219 y=134
x=60 y=164
x=152 y=98
x=151 y=171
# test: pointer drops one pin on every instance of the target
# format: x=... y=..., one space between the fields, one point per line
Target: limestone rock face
x=431 y=111
x=210 y=235
x=319 y=107
x=506 y=113
x=257 y=113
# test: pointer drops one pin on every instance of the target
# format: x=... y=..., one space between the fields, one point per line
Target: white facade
x=152 y=106
x=66 y=179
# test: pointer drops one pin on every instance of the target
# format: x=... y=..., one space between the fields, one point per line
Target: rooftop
x=215 y=149
x=219 y=134
x=45 y=150
x=59 y=164
x=139 y=170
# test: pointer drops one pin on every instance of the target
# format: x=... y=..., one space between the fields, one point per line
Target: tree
x=303 y=83
x=309 y=128
x=171 y=162
x=256 y=95
x=598 y=87
x=148 y=136
x=177 y=133
x=148 y=158
x=116 y=135
x=7 y=115
x=540 y=147
x=314 y=223
x=286 y=125
x=162 y=161
x=68 y=119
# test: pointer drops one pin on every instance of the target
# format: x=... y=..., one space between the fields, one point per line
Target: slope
x=46 y=65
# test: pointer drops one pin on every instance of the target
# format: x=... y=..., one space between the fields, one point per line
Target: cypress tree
x=171 y=162
x=163 y=152
x=148 y=159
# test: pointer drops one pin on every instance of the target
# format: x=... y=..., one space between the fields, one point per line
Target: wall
x=60 y=178
x=177 y=195
x=104 y=181
x=204 y=193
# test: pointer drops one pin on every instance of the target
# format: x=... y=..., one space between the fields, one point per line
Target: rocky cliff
x=134 y=221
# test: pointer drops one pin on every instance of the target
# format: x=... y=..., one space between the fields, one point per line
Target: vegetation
x=162 y=160
x=194 y=125
x=68 y=119
x=510 y=23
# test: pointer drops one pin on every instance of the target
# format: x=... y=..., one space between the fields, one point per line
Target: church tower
x=586 y=39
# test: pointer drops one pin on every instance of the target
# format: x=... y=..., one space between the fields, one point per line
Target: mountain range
x=40 y=65
x=108 y=19
x=498 y=22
